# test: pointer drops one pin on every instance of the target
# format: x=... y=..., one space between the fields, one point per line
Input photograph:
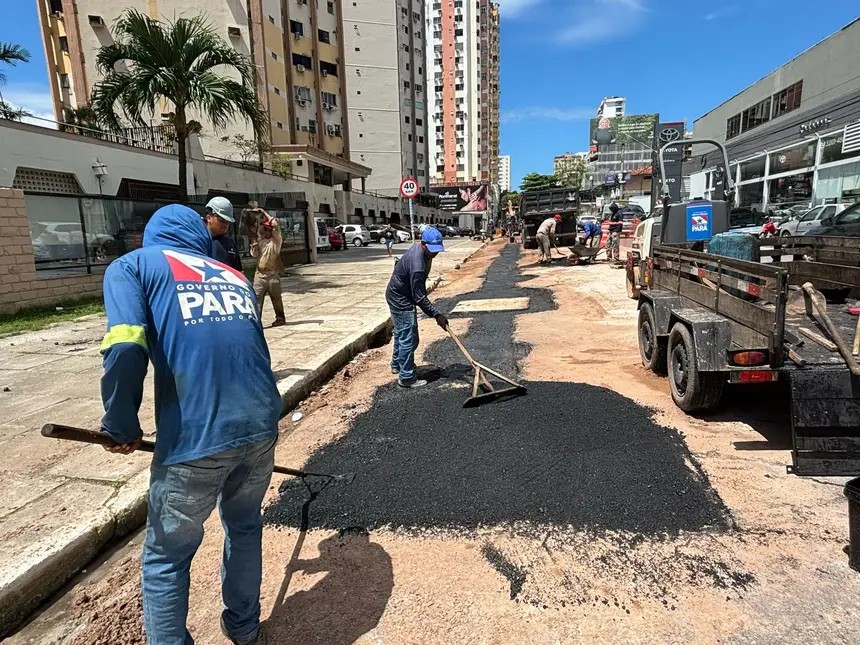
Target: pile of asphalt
x=567 y=454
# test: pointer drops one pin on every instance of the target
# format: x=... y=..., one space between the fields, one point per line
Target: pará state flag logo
x=209 y=291
x=699 y=221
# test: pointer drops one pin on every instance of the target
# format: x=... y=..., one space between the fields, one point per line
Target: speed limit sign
x=409 y=188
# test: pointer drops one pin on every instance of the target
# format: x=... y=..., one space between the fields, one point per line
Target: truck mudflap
x=825 y=422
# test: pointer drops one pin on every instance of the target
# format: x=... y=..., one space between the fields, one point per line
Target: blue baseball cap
x=433 y=239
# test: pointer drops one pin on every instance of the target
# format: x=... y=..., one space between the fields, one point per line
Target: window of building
x=831 y=149
x=786 y=191
x=419 y=88
x=420 y=71
x=312 y=126
x=407 y=67
x=329 y=98
x=405 y=29
x=406 y=119
x=304 y=61
x=787 y=100
x=753 y=169
x=324 y=36
x=278 y=91
x=733 y=127
x=64 y=81
x=297 y=28
x=406 y=85
x=274 y=55
x=802 y=156
x=755 y=116
x=279 y=125
x=272 y=19
x=420 y=139
x=331 y=8
x=409 y=137
x=419 y=122
x=328 y=69
x=64 y=43
x=302 y=93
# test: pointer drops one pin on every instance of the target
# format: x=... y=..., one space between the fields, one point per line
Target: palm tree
x=11 y=54
x=179 y=61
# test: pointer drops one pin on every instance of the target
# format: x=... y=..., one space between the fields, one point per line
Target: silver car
x=354 y=234
x=810 y=219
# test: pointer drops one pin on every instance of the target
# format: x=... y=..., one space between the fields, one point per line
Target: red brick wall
x=20 y=287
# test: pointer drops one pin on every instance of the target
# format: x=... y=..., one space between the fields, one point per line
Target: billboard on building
x=463 y=198
x=634 y=129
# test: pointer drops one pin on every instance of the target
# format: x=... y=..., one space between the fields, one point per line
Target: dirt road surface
x=590 y=511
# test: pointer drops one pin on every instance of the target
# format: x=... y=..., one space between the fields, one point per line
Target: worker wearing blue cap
x=407 y=290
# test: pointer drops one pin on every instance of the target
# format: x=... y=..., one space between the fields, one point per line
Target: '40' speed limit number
x=409 y=188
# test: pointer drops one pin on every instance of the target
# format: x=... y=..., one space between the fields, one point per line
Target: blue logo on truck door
x=699 y=221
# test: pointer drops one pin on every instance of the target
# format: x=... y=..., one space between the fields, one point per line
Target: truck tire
x=651 y=348
x=692 y=390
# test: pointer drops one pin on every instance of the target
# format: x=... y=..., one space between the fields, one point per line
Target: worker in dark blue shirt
x=218 y=219
x=407 y=290
x=592 y=233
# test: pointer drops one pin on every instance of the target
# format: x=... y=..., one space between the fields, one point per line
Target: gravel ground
x=568 y=454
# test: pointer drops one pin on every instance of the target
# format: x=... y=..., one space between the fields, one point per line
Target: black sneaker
x=279 y=322
x=259 y=639
x=416 y=383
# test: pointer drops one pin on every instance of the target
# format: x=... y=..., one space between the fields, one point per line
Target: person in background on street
x=769 y=228
x=218 y=218
x=546 y=237
x=267 y=279
x=592 y=234
x=407 y=290
x=216 y=414
x=388 y=238
x=616 y=225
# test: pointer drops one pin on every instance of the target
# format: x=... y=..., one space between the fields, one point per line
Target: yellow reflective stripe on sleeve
x=124 y=334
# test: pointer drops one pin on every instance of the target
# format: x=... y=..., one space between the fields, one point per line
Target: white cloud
x=33 y=99
x=598 y=20
x=546 y=114
x=514 y=8
x=722 y=12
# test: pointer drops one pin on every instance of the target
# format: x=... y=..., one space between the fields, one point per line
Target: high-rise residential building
x=504 y=173
x=388 y=90
x=567 y=161
x=297 y=48
x=611 y=107
x=464 y=128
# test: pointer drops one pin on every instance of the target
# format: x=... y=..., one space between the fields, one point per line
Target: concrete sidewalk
x=60 y=502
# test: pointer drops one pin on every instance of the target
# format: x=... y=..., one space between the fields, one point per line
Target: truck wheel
x=632 y=289
x=651 y=348
x=692 y=390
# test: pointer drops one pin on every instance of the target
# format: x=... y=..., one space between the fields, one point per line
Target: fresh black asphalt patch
x=566 y=455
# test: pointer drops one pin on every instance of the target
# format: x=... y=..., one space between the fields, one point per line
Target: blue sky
x=561 y=57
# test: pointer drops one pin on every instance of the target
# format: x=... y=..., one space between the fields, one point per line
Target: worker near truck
x=616 y=225
x=407 y=290
x=216 y=413
x=592 y=234
x=546 y=237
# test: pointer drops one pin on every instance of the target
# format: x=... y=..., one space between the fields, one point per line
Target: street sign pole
x=409 y=191
x=411 y=224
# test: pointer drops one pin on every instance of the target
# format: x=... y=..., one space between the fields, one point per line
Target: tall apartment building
x=297 y=48
x=504 y=173
x=464 y=126
x=387 y=87
x=611 y=107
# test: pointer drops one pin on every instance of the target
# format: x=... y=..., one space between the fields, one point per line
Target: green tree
x=572 y=174
x=181 y=62
x=11 y=54
x=537 y=181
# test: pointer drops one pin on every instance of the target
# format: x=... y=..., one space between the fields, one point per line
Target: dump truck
x=538 y=205
x=708 y=320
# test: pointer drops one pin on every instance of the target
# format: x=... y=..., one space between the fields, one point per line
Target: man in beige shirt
x=267 y=280
x=546 y=237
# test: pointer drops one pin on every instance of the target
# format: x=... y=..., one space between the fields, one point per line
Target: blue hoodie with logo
x=196 y=319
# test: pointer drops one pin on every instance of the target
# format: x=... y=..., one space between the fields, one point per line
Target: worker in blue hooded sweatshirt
x=216 y=411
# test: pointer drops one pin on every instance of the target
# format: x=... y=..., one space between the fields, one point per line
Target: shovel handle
x=70 y=433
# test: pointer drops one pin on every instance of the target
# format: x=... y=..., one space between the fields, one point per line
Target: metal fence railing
x=89 y=232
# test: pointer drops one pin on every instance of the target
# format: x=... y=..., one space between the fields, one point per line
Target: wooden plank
x=827 y=444
x=706 y=259
x=818 y=338
x=822 y=384
x=800 y=272
x=749 y=314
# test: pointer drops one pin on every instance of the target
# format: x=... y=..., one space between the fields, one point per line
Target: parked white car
x=354 y=234
x=811 y=219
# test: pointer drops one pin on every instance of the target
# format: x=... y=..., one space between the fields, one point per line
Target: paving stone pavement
x=60 y=502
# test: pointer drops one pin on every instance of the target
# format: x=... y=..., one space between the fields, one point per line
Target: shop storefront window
x=787 y=191
x=841 y=183
x=831 y=149
x=752 y=195
x=753 y=169
x=802 y=156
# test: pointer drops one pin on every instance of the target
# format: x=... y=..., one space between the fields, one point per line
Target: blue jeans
x=181 y=498
x=405 y=343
